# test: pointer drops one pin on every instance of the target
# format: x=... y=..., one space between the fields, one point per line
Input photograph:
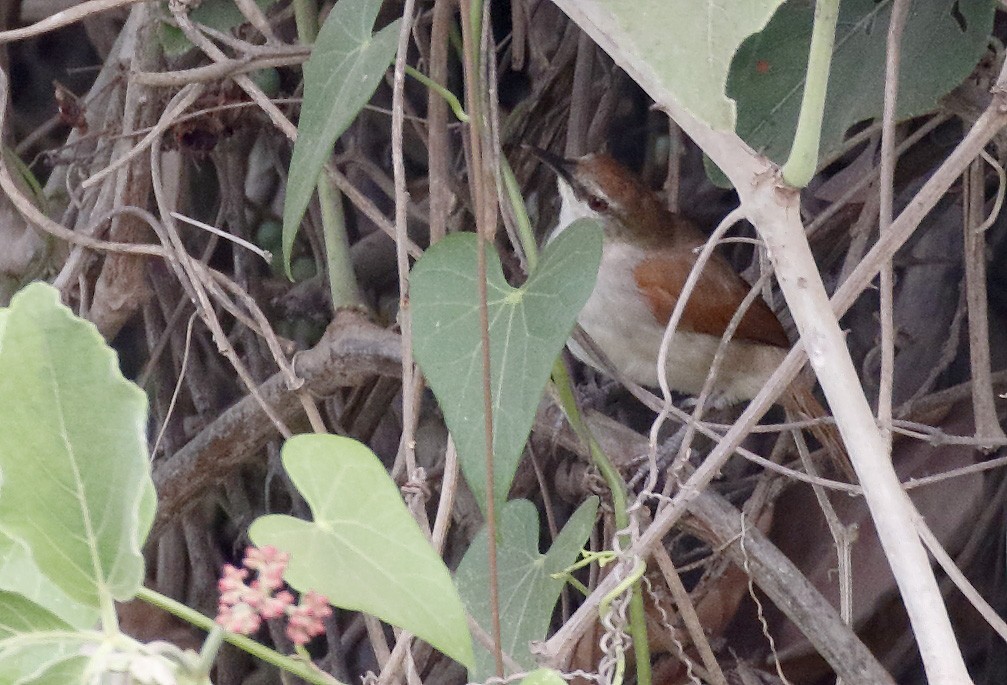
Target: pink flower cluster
x=243 y=606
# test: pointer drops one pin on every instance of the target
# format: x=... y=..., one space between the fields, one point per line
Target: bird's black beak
x=563 y=167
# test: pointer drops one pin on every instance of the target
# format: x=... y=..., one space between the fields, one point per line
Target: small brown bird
x=647 y=255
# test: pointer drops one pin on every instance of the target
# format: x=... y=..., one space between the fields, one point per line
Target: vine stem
x=803 y=159
x=343 y=289
x=886 y=280
x=563 y=387
x=290 y=664
x=620 y=507
x=485 y=212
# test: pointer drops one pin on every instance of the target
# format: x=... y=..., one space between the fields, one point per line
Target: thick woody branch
x=351 y=352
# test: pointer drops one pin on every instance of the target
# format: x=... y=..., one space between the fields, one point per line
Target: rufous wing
x=719 y=292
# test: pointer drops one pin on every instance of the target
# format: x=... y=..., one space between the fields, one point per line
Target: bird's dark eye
x=597 y=204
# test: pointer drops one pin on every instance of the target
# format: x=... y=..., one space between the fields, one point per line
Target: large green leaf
x=43 y=660
x=20 y=616
x=681 y=47
x=75 y=487
x=528 y=327
x=35 y=645
x=345 y=68
x=363 y=550
x=941 y=43
x=528 y=593
x=20 y=574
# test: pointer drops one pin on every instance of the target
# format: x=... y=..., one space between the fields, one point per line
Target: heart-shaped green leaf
x=528 y=327
x=345 y=68
x=363 y=550
x=75 y=486
x=528 y=593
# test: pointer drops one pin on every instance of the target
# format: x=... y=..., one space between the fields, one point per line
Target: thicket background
x=225 y=163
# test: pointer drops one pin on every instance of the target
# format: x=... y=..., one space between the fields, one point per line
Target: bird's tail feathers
x=801 y=402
